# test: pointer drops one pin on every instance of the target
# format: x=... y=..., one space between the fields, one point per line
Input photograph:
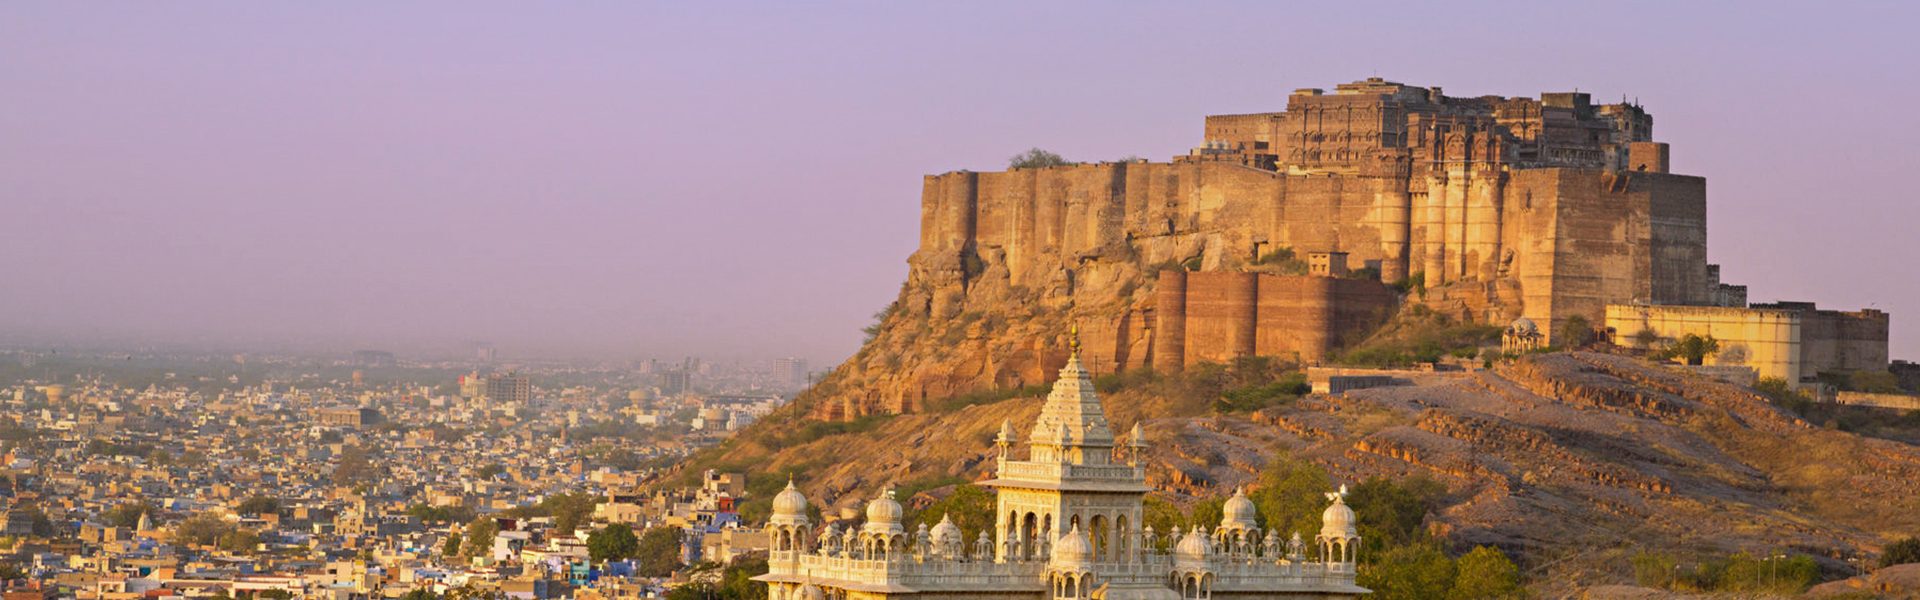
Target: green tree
x=1653 y=570
x=1695 y=349
x=1416 y=572
x=1793 y=574
x=658 y=552
x=1162 y=516
x=698 y=590
x=1876 y=382
x=480 y=536
x=736 y=582
x=1392 y=513
x=420 y=593
x=970 y=506
x=1742 y=573
x=1207 y=512
x=569 y=511
x=239 y=541
x=1784 y=395
x=127 y=514
x=1291 y=495
x=1645 y=338
x=1034 y=158
x=1905 y=551
x=613 y=542
x=1282 y=261
x=440 y=514
x=42 y=525
x=204 y=529
x=356 y=468
x=1579 y=331
x=452 y=546
x=1485 y=573
x=259 y=505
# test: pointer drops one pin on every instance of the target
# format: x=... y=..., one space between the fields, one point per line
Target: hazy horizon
x=739 y=179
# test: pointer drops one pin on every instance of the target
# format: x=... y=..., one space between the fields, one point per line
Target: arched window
x=1029 y=529
x=1097 y=536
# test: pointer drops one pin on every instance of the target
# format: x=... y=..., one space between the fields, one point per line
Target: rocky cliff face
x=1008 y=260
x=1572 y=461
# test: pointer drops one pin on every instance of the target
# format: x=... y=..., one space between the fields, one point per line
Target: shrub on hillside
x=1906 y=551
x=1281 y=261
x=1485 y=573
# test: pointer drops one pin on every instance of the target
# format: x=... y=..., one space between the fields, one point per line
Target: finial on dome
x=1073 y=338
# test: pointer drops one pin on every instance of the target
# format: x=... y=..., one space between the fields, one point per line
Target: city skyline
x=741 y=180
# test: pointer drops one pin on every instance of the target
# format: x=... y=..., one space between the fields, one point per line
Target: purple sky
x=627 y=180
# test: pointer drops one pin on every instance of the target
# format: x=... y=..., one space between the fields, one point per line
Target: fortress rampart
x=1226 y=315
x=1572 y=239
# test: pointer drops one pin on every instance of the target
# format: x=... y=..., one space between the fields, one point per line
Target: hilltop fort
x=1223 y=299
x=1297 y=232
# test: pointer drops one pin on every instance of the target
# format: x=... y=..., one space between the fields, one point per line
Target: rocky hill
x=1573 y=461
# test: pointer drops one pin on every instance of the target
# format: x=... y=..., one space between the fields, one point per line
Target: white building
x=1067 y=528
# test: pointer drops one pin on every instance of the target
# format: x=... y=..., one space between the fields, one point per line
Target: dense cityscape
x=994 y=300
x=368 y=476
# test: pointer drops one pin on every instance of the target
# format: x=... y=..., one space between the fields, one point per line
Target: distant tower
x=509 y=387
x=790 y=372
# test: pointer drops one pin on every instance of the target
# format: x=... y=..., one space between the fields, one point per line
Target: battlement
x=1374 y=120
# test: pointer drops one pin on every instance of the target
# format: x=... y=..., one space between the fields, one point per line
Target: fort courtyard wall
x=1792 y=341
x=1767 y=341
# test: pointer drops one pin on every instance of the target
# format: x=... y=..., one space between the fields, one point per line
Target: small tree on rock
x=1693 y=349
x=1035 y=158
x=1579 y=332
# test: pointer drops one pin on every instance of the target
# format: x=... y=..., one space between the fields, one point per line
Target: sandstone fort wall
x=1571 y=240
x=1227 y=315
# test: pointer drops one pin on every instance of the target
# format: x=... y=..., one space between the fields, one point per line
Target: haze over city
x=744 y=179
x=878 y=300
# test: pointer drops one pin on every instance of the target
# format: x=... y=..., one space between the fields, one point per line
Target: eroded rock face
x=1571 y=461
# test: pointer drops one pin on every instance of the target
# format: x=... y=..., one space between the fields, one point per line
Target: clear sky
x=735 y=179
